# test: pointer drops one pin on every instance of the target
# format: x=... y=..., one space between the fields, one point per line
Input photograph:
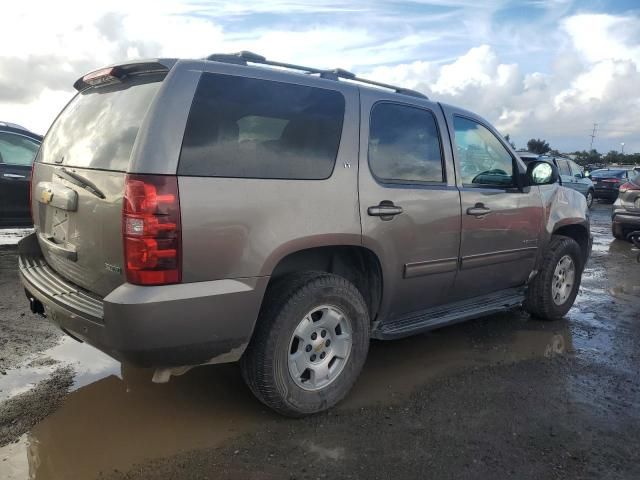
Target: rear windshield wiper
x=79 y=181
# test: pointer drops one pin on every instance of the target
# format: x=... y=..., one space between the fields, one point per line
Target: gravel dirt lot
x=501 y=397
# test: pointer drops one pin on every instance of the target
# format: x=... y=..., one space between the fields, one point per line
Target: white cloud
x=588 y=84
x=592 y=73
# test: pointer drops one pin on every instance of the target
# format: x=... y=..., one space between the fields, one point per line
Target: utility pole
x=593 y=135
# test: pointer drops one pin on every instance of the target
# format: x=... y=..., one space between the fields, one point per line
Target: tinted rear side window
x=249 y=128
x=100 y=125
x=404 y=144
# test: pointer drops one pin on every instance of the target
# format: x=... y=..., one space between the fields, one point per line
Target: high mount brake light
x=151 y=230
x=103 y=76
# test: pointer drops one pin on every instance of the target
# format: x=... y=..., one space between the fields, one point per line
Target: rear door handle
x=386 y=210
x=479 y=210
x=13 y=176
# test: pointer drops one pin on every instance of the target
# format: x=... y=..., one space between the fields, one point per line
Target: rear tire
x=298 y=309
x=553 y=290
x=618 y=231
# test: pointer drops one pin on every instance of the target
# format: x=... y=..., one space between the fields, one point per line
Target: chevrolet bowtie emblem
x=46 y=196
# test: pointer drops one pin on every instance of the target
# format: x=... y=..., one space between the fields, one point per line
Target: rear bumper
x=605 y=193
x=164 y=326
x=625 y=219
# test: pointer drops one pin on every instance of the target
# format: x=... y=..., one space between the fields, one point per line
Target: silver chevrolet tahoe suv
x=193 y=212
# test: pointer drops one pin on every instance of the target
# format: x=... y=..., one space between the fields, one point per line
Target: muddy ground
x=500 y=397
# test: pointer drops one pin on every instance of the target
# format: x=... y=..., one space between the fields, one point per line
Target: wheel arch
x=356 y=263
x=579 y=233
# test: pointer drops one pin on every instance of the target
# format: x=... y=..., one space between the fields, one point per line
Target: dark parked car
x=607 y=182
x=626 y=209
x=18 y=148
x=204 y=211
x=571 y=174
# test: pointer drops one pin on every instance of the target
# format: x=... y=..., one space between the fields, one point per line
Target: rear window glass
x=249 y=128
x=608 y=173
x=100 y=125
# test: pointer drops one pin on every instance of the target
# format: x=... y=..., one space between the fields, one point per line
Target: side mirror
x=542 y=173
x=579 y=175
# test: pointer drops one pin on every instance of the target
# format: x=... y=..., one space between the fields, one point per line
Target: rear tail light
x=151 y=230
x=612 y=180
x=104 y=76
x=629 y=186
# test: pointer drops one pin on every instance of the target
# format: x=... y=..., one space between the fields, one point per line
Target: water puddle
x=88 y=363
x=116 y=417
x=11 y=236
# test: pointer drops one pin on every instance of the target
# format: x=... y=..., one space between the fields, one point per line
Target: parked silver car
x=203 y=211
x=626 y=209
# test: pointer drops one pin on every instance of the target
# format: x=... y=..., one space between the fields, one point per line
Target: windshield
x=99 y=126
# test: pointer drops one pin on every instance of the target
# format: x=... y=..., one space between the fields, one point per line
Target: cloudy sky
x=535 y=68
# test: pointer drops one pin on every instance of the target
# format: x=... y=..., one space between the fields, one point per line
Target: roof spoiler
x=117 y=73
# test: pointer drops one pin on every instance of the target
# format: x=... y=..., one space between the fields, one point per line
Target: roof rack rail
x=244 y=57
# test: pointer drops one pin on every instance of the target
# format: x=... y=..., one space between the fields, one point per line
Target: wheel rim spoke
x=320 y=373
x=299 y=361
x=563 y=280
x=330 y=318
x=341 y=345
x=303 y=327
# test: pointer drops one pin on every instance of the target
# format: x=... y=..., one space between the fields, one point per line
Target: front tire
x=309 y=345
x=554 y=289
x=589 y=198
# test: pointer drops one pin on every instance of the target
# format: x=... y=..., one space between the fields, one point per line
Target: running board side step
x=449 y=314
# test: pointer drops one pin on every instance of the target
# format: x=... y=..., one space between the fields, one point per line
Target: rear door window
x=100 y=125
x=17 y=149
x=404 y=145
x=563 y=167
x=249 y=128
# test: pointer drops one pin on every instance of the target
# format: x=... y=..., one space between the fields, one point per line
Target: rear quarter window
x=249 y=128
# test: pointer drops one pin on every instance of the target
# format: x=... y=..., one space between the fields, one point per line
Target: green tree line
x=541 y=147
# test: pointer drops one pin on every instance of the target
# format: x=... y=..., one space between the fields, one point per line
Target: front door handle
x=386 y=210
x=479 y=210
x=13 y=176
